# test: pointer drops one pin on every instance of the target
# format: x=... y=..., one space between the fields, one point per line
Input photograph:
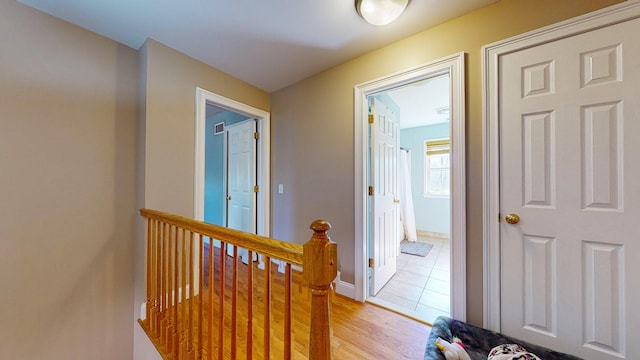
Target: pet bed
x=479 y=342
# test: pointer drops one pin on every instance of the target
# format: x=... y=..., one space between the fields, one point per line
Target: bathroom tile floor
x=420 y=287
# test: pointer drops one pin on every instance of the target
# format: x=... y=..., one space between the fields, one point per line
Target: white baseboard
x=432 y=234
x=143 y=311
x=143 y=306
x=345 y=288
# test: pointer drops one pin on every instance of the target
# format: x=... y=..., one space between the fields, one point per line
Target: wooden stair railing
x=208 y=297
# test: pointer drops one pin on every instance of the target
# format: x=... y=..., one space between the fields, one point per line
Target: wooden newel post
x=320 y=259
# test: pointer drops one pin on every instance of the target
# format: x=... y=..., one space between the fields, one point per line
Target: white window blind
x=437 y=163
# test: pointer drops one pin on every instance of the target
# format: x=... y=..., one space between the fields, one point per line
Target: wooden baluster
x=183 y=298
x=154 y=275
x=234 y=301
x=168 y=288
x=200 y=345
x=211 y=296
x=287 y=312
x=191 y=297
x=176 y=291
x=223 y=256
x=149 y=251
x=150 y=272
x=250 y=307
x=320 y=269
x=170 y=292
x=180 y=289
x=163 y=286
x=169 y=310
x=157 y=281
x=267 y=307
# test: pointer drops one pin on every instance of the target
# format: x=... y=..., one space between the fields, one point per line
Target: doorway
x=230 y=163
x=212 y=110
x=231 y=159
x=414 y=174
x=453 y=68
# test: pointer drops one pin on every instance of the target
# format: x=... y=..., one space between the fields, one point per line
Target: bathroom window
x=436 y=169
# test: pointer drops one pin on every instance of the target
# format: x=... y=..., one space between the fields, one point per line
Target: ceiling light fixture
x=380 y=12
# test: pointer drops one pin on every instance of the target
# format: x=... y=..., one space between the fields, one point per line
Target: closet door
x=570 y=195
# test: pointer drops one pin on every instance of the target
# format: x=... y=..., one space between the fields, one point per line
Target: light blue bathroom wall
x=214 y=166
x=432 y=214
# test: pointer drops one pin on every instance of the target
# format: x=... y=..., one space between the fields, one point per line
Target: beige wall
x=172 y=79
x=67 y=147
x=167 y=117
x=312 y=131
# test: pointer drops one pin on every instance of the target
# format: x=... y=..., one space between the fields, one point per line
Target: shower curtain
x=407 y=215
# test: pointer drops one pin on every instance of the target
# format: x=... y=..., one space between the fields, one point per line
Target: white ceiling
x=267 y=43
x=423 y=103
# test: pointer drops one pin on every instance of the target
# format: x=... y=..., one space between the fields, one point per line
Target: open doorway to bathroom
x=410 y=137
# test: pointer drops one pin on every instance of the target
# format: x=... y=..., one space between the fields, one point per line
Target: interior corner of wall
x=345 y=288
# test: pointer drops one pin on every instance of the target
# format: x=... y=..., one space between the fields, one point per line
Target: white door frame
x=491 y=175
x=264 y=145
x=454 y=65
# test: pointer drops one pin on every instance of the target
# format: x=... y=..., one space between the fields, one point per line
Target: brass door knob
x=396 y=201
x=512 y=219
x=229 y=197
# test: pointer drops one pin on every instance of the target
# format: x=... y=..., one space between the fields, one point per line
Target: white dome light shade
x=380 y=12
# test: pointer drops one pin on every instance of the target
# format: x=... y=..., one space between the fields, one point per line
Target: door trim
x=491 y=173
x=264 y=146
x=454 y=65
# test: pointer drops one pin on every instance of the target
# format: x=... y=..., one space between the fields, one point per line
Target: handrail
x=199 y=299
x=276 y=249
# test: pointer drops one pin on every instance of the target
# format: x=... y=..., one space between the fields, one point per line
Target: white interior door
x=569 y=145
x=241 y=177
x=385 y=214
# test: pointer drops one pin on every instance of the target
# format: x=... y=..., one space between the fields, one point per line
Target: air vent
x=442 y=110
x=218 y=128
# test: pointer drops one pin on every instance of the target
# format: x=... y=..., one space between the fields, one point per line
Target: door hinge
x=370 y=190
x=499 y=217
x=370 y=118
x=256 y=135
x=256 y=189
x=370 y=263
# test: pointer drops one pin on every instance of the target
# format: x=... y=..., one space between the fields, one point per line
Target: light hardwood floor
x=366 y=331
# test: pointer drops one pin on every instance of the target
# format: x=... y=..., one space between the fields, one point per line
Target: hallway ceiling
x=422 y=103
x=270 y=44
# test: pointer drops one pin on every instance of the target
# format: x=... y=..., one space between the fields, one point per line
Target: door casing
x=263 y=172
x=491 y=174
x=454 y=65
